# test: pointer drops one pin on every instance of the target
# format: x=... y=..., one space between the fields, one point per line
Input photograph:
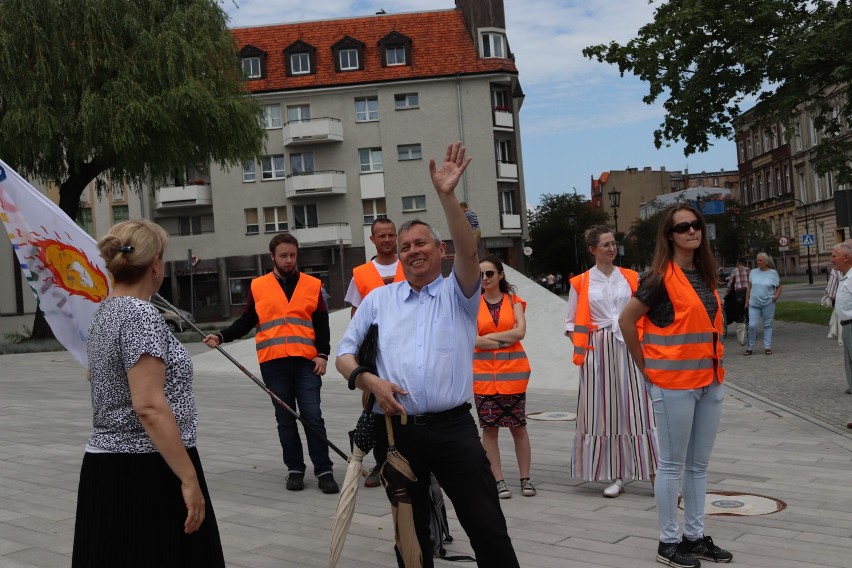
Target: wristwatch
x=501 y=344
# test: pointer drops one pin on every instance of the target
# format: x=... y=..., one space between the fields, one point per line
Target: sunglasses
x=489 y=273
x=684 y=227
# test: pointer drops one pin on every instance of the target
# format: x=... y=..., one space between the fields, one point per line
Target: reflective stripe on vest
x=285 y=327
x=500 y=371
x=583 y=318
x=687 y=353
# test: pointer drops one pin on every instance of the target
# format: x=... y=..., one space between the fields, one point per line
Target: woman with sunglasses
x=501 y=372
x=614 y=434
x=764 y=287
x=678 y=310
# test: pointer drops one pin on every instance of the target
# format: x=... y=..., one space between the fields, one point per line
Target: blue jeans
x=293 y=380
x=687 y=421
x=767 y=313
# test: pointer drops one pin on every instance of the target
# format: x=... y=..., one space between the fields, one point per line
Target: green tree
x=552 y=237
x=707 y=57
x=120 y=92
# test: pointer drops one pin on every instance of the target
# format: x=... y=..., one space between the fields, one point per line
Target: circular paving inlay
x=552 y=416
x=739 y=504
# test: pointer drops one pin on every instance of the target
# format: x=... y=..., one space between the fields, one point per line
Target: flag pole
x=258 y=382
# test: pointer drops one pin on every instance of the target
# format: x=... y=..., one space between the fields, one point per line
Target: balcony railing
x=183 y=196
x=507 y=170
x=504 y=118
x=309 y=184
x=510 y=222
x=327 y=234
x=313 y=131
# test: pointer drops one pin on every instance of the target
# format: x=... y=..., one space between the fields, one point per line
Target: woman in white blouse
x=614 y=437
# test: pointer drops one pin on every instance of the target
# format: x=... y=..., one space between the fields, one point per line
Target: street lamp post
x=572 y=222
x=807 y=232
x=614 y=202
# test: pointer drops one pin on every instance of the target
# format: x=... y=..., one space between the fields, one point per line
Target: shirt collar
x=432 y=288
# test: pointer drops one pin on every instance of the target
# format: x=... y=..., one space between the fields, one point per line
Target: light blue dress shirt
x=426 y=341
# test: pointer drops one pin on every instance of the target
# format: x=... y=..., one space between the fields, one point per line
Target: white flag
x=59 y=259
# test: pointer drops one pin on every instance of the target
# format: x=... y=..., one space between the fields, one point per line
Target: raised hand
x=446 y=178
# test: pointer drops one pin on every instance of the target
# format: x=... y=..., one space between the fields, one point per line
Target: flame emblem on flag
x=72 y=270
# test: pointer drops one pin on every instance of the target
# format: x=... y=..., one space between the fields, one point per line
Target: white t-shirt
x=353 y=296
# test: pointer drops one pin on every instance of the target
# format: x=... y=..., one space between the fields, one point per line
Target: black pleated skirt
x=130 y=513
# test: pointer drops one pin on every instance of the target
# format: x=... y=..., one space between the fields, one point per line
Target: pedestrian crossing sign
x=808 y=240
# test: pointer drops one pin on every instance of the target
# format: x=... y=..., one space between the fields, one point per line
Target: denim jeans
x=767 y=313
x=687 y=422
x=293 y=380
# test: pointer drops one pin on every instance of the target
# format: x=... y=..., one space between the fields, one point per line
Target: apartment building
x=780 y=184
x=353 y=108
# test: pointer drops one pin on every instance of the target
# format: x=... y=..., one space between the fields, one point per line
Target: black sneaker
x=374 y=479
x=672 y=554
x=295 y=481
x=327 y=484
x=705 y=549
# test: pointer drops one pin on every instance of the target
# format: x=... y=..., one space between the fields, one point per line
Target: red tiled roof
x=440 y=46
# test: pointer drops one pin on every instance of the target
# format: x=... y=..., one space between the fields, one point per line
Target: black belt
x=845 y=322
x=434 y=418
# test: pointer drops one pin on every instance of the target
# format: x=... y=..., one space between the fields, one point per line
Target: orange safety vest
x=284 y=327
x=687 y=354
x=367 y=277
x=583 y=319
x=500 y=371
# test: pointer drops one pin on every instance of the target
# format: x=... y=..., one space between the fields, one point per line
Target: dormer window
x=493 y=45
x=253 y=62
x=348 y=54
x=396 y=49
x=300 y=59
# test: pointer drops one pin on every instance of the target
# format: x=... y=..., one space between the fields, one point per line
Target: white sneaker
x=614 y=490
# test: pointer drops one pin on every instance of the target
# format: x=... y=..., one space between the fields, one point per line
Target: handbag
x=742 y=332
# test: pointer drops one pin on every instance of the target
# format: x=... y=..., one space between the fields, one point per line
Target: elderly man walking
x=427 y=328
x=841 y=258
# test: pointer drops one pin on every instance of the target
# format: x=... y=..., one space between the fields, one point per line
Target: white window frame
x=405 y=101
x=407 y=152
x=252 y=68
x=504 y=151
x=278 y=224
x=300 y=63
x=272 y=167
x=302 y=113
x=272 y=116
x=371 y=210
x=370 y=160
x=366 y=109
x=413 y=203
x=394 y=55
x=507 y=203
x=249 y=171
x=251 y=228
x=493 y=44
x=305 y=209
x=350 y=55
x=304 y=162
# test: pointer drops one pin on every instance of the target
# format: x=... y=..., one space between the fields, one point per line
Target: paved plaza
x=783 y=436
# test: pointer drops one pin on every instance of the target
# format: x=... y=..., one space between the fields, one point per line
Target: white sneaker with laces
x=614 y=490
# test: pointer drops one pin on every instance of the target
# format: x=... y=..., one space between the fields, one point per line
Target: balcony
x=507 y=170
x=183 y=196
x=329 y=234
x=372 y=185
x=311 y=184
x=510 y=223
x=313 y=131
x=504 y=118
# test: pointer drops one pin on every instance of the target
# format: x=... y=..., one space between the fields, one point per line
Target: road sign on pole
x=808 y=240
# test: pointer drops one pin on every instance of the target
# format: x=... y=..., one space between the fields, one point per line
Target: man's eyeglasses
x=684 y=227
x=488 y=273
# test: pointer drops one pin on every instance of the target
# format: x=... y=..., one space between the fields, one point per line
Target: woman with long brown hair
x=680 y=357
x=614 y=436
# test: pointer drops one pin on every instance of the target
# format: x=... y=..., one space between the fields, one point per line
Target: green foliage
x=707 y=57
x=552 y=237
x=131 y=89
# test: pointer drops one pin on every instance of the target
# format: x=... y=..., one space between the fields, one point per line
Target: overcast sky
x=579 y=117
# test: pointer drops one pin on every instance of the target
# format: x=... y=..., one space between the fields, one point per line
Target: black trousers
x=453 y=451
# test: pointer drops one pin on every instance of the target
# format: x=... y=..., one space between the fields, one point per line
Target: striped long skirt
x=615 y=434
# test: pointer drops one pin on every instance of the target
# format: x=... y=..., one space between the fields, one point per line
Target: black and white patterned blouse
x=122 y=330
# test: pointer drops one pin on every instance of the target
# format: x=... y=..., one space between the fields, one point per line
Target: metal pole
x=808 y=232
x=259 y=383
